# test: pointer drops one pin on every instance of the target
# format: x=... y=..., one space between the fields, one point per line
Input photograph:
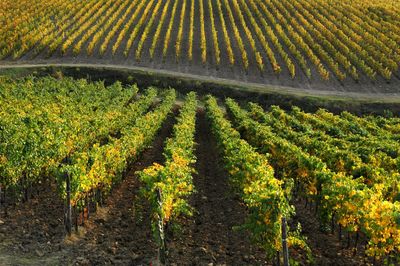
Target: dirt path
x=388 y=92
x=207 y=237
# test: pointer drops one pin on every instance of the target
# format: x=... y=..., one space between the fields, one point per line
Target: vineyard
x=112 y=174
x=330 y=45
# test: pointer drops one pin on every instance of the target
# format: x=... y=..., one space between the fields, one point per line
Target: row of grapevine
x=364 y=56
x=203 y=39
x=373 y=124
x=191 y=31
x=373 y=155
x=372 y=144
x=343 y=54
x=168 y=186
x=178 y=44
x=214 y=34
x=369 y=128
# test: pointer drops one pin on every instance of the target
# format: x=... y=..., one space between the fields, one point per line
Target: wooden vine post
x=284 y=243
x=1 y=198
x=76 y=213
x=5 y=205
x=88 y=206
x=68 y=218
x=162 y=251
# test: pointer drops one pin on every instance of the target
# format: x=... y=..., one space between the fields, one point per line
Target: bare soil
x=33 y=230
